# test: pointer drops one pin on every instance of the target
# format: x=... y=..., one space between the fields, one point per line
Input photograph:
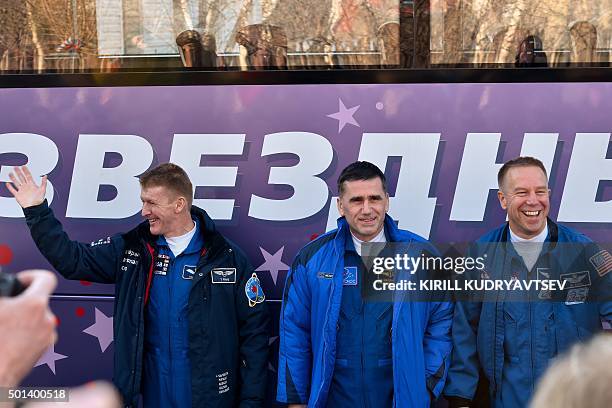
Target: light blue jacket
x=309 y=317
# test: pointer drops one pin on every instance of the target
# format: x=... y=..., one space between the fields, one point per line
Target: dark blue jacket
x=228 y=335
x=485 y=341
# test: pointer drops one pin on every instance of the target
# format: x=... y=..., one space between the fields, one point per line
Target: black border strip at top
x=278 y=77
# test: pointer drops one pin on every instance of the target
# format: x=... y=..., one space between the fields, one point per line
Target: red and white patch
x=602 y=262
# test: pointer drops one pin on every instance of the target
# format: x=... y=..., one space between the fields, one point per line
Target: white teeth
x=531 y=213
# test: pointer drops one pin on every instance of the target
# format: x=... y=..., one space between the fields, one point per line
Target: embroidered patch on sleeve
x=602 y=262
x=253 y=291
x=101 y=241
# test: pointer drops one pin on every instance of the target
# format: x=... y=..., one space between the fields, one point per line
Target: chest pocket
x=383 y=333
x=516 y=331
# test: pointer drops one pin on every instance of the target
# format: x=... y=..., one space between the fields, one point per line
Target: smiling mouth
x=532 y=213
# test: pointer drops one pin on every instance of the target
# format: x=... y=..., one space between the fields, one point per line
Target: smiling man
x=190 y=326
x=512 y=342
x=338 y=350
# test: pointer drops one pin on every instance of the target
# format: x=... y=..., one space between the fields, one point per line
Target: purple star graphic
x=273 y=263
x=344 y=115
x=49 y=358
x=102 y=329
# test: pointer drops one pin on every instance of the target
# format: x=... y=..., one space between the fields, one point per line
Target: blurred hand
x=24 y=189
x=27 y=326
x=93 y=395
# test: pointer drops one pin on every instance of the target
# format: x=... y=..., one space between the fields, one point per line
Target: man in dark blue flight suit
x=190 y=325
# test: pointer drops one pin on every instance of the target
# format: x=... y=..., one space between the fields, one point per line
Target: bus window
x=38 y=36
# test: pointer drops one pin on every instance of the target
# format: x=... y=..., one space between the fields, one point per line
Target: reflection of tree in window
x=583 y=40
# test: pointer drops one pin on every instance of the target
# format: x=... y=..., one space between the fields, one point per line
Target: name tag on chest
x=223 y=275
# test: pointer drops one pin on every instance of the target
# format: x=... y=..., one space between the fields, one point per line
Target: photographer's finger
x=38 y=282
x=50 y=324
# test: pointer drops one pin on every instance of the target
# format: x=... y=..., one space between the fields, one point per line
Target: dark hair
x=170 y=176
x=360 y=170
x=521 y=161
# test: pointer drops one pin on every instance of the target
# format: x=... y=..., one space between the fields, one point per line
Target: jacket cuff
x=35 y=210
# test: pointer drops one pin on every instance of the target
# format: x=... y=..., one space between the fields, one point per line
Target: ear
x=387 y=203
x=340 y=207
x=181 y=203
x=502 y=200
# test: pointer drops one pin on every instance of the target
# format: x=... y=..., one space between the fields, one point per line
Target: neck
x=184 y=225
x=362 y=239
x=523 y=236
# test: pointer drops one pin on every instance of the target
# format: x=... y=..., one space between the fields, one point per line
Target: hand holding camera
x=27 y=323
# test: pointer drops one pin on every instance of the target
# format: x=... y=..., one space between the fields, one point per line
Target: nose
x=145 y=210
x=366 y=207
x=532 y=198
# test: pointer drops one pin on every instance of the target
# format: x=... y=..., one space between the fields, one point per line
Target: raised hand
x=24 y=189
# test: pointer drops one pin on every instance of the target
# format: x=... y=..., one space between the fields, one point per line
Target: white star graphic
x=273 y=263
x=344 y=115
x=102 y=329
x=49 y=358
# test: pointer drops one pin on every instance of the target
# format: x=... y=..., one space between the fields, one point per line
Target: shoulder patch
x=602 y=262
x=253 y=291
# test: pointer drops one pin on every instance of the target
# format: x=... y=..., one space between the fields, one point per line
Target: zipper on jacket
x=363 y=385
x=329 y=301
x=140 y=318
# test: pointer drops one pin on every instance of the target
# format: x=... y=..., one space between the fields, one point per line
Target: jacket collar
x=551 y=239
x=213 y=240
x=344 y=232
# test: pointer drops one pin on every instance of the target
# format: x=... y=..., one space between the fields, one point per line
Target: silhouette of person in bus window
x=530 y=53
x=197 y=50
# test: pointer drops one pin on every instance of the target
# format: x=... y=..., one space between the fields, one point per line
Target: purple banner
x=264 y=159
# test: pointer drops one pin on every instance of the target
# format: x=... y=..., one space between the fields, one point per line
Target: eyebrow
x=519 y=189
x=361 y=198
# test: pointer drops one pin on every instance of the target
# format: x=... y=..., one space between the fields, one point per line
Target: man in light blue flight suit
x=337 y=350
x=512 y=339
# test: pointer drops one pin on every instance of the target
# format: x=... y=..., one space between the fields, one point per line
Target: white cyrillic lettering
x=310 y=193
x=42 y=157
x=587 y=167
x=89 y=174
x=542 y=146
x=477 y=175
x=187 y=150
